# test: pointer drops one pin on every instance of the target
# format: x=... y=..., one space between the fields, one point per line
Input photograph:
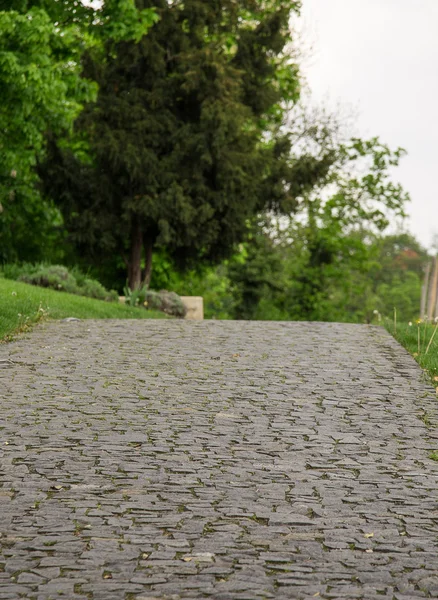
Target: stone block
x=195 y=307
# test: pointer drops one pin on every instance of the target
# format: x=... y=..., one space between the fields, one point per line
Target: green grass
x=421 y=340
x=22 y=305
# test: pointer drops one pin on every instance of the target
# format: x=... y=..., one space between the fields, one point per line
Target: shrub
x=168 y=302
x=60 y=278
x=14 y=270
x=94 y=289
x=55 y=277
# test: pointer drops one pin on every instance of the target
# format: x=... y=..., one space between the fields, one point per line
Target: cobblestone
x=152 y=460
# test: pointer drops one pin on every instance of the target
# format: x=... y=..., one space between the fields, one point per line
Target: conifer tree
x=182 y=140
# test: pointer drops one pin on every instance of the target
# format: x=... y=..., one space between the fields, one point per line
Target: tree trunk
x=148 y=251
x=134 y=266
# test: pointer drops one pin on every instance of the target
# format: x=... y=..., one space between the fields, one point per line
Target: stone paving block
x=227 y=460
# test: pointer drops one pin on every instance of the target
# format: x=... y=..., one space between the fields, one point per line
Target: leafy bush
x=60 y=278
x=14 y=270
x=94 y=289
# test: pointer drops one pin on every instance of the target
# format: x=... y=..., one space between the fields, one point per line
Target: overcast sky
x=381 y=58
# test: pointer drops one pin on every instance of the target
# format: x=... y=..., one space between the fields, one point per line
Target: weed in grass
x=421 y=341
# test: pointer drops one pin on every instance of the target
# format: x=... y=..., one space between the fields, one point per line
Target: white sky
x=381 y=58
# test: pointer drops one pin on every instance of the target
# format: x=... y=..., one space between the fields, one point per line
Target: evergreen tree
x=183 y=139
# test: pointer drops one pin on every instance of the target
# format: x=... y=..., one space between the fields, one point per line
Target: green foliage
x=339 y=282
x=40 y=77
x=120 y=20
x=183 y=148
x=270 y=279
x=257 y=274
x=211 y=283
x=317 y=265
x=60 y=278
x=366 y=192
x=403 y=292
x=42 y=44
x=94 y=289
x=56 y=277
x=214 y=286
x=106 y=22
x=164 y=301
x=179 y=152
x=135 y=297
x=40 y=88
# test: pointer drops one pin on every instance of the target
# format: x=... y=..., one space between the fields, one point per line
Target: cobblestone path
x=234 y=461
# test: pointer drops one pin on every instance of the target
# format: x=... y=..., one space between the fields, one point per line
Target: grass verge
x=421 y=340
x=22 y=305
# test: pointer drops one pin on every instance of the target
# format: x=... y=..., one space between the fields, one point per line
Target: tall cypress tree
x=181 y=138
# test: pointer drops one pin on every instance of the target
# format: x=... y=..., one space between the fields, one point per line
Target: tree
x=256 y=273
x=398 y=275
x=337 y=222
x=184 y=137
x=325 y=253
x=41 y=89
x=400 y=253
